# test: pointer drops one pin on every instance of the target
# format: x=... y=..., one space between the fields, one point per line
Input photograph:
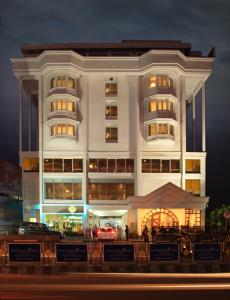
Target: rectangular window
x=61 y=81
x=162 y=129
x=58 y=190
x=68 y=165
x=111 y=135
x=111 y=112
x=77 y=191
x=30 y=164
x=192 y=165
x=156 y=166
x=152 y=130
x=57 y=165
x=77 y=165
x=68 y=191
x=49 y=190
x=192 y=186
x=152 y=82
x=121 y=165
x=146 y=166
x=71 y=83
x=152 y=106
x=111 y=87
x=110 y=190
x=175 y=166
x=111 y=165
x=165 y=105
x=52 y=82
x=48 y=165
x=171 y=130
x=130 y=165
x=165 y=166
x=102 y=165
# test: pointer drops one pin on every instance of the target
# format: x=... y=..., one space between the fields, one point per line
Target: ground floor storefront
x=168 y=206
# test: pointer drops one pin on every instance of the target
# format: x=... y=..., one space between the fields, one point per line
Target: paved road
x=87 y=286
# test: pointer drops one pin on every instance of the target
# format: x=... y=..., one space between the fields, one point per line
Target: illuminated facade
x=107 y=135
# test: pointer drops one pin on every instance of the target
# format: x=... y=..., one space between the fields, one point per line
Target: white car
x=107 y=233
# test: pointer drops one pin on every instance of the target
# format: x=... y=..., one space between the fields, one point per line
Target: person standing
x=145 y=234
x=153 y=233
x=127 y=232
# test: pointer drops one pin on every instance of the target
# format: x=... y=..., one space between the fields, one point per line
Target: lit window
x=152 y=81
x=111 y=112
x=70 y=190
x=162 y=129
x=111 y=86
x=111 y=135
x=192 y=166
x=192 y=186
x=63 y=129
x=160 y=81
x=160 y=166
x=63 y=82
x=152 y=106
x=152 y=129
x=171 y=130
x=63 y=104
x=71 y=83
x=30 y=164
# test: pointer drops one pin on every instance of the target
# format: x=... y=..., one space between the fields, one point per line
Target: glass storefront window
x=65 y=222
x=69 y=190
x=110 y=191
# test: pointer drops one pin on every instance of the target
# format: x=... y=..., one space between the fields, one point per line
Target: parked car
x=26 y=228
x=171 y=234
x=107 y=233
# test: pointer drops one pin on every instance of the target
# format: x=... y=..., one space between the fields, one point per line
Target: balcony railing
x=161 y=114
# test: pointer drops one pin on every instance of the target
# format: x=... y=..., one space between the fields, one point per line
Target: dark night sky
x=201 y=22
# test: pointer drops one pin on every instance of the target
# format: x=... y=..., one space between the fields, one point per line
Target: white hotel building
x=103 y=131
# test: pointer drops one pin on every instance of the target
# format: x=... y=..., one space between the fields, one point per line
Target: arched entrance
x=159 y=217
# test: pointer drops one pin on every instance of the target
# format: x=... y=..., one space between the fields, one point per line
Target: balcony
x=64 y=114
x=167 y=114
x=63 y=91
x=161 y=90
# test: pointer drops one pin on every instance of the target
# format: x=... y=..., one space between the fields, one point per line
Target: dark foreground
x=115 y=286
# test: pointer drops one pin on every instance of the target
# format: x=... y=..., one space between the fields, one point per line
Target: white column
x=194 y=123
x=30 y=123
x=203 y=119
x=40 y=142
x=183 y=129
x=20 y=113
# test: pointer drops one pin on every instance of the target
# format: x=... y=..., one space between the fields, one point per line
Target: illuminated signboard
x=206 y=251
x=19 y=252
x=71 y=252
x=119 y=253
x=163 y=252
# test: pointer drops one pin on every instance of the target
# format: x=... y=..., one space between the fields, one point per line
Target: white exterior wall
x=131 y=74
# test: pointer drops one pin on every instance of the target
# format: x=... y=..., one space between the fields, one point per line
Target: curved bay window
x=63 y=130
x=160 y=81
x=160 y=129
x=160 y=105
x=63 y=105
x=63 y=81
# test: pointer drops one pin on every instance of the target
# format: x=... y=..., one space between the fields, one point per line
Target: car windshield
x=106 y=229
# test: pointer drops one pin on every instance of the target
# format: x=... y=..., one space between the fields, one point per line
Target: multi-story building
x=107 y=133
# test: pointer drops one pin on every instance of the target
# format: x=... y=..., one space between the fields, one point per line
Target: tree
x=220 y=218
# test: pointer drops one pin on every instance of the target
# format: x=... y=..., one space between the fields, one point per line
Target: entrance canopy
x=168 y=195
